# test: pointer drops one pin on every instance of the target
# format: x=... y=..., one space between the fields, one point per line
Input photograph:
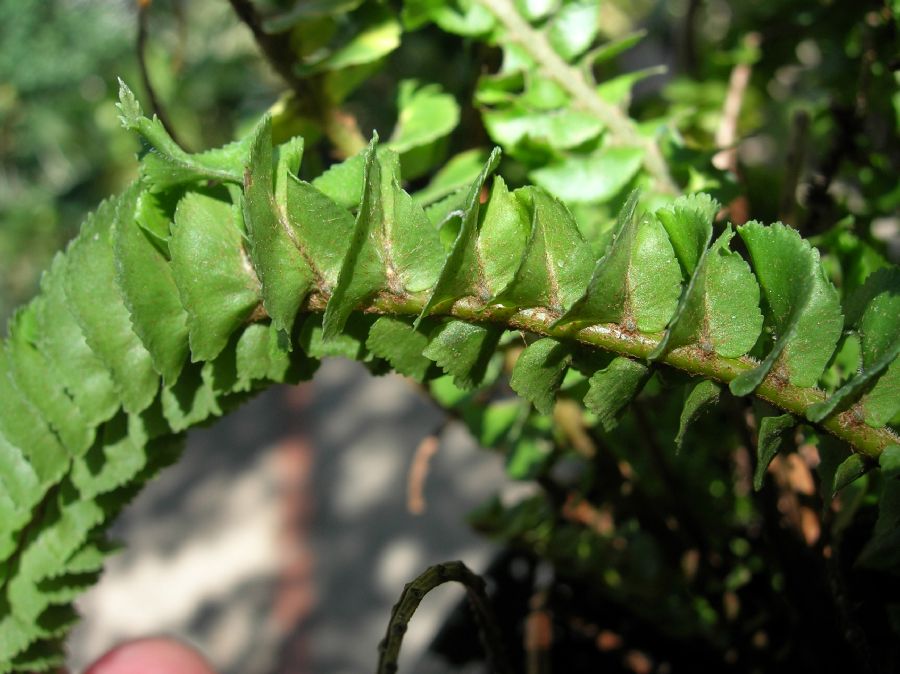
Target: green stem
x=343 y=132
x=848 y=425
x=620 y=126
x=414 y=592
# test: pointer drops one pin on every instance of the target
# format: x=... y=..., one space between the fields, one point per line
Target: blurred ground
x=281 y=539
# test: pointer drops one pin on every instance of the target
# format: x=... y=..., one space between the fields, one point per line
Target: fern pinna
x=219 y=273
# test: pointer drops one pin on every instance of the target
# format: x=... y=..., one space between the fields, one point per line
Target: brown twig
x=569 y=418
x=727 y=132
x=538 y=635
x=418 y=470
x=275 y=47
x=143 y=9
x=414 y=592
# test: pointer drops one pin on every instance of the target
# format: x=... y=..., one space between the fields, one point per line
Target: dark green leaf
x=689 y=224
x=772 y=431
x=401 y=345
x=263 y=356
x=362 y=272
x=637 y=283
x=322 y=228
x=875 y=312
x=851 y=469
x=613 y=388
x=380 y=35
x=539 y=371
x=23 y=429
x=65 y=528
x=98 y=304
x=216 y=282
x=350 y=343
x=719 y=308
x=192 y=399
x=555 y=269
x=149 y=291
x=503 y=233
x=310 y=9
x=883 y=549
x=803 y=307
x=286 y=278
x=116 y=457
x=19 y=490
x=699 y=397
x=44 y=655
x=456 y=279
x=393 y=246
x=463 y=350
x=62 y=342
x=28 y=369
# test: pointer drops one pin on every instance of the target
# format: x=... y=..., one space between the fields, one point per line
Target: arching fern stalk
x=220 y=273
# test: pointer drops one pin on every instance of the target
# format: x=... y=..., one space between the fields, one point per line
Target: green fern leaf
x=463 y=350
x=699 y=397
x=166 y=164
x=322 y=228
x=593 y=178
x=398 y=342
x=804 y=310
x=151 y=295
x=19 y=490
x=63 y=344
x=637 y=283
x=875 y=313
x=217 y=284
x=24 y=430
x=99 y=307
x=772 y=430
x=613 y=388
x=719 y=308
x=503 y=232
x=285 y=276
x=28 y=369
x=556 y=263
x=456 y=280
x=539 y=372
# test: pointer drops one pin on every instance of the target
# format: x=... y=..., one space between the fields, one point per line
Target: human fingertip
x=157 y=655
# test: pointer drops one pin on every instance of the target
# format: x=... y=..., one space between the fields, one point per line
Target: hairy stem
x=414 y=592
x=620 y=126
x=847 y=425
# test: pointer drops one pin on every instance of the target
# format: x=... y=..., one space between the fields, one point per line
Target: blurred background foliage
x=676 y=556
x=62 y=148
